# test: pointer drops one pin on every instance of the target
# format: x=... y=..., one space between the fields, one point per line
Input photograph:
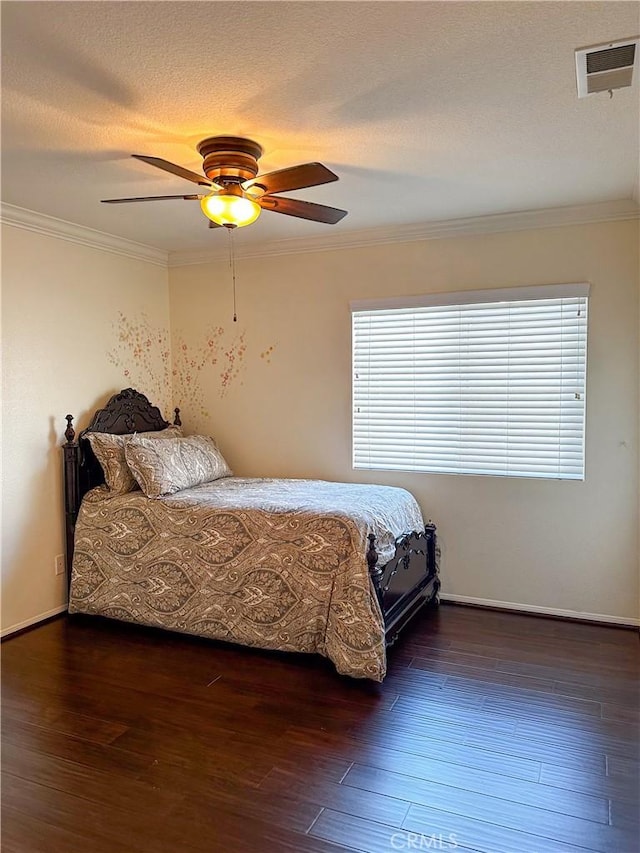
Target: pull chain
x=232 y=267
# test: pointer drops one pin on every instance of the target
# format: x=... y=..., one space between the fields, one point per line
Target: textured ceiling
x=426 y=110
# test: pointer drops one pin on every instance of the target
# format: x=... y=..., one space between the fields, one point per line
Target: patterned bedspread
x=277 y=564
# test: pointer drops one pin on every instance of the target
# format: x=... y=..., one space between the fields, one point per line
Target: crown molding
x=610 y=211
x=40 y=223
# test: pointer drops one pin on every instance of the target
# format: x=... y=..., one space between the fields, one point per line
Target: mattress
x=272 y=563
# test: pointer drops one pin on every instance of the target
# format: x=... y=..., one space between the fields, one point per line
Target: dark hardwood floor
x=493 y=732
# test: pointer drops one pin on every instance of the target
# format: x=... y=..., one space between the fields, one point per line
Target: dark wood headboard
x=126 y=412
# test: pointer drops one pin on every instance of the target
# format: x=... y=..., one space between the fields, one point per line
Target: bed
x=292 y=565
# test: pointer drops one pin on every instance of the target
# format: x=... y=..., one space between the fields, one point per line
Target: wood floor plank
x=623 y=767
x=554 y=825
x=478 y=835
x=587 y=756
x=177 y=754
x=626 y=817
x=473 y=719
x=387 y=740
x=399 y=723
x=612 y=738
x=23 y=833
x=48 y=713
x=353 y=801
x=231 y=834
x=506 y=699
x=143 y=830
x=507 y=791
x=57 y=744
x=358 y=833
x=96 y=696
x=600 y=693
x=241 y=806
x=515 y=732
x=589 y=675
x=512 y=643
x=618 y=787
x=448 y=656
x=466 y=676
x=544 y=705
x=525 y=641
x=621 y=714
x=86 y=782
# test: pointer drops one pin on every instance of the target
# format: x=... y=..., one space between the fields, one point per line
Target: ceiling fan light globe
x=226 y=209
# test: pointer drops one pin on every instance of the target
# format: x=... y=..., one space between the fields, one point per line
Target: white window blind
x=495 y=386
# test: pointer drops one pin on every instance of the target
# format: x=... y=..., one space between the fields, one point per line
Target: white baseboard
x=627 y=621
x=34 y=619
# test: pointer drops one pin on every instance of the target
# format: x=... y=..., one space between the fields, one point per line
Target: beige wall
x=275 y=390
x=71 y=318
x=565 y=546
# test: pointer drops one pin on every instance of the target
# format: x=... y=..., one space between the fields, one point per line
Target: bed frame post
x=375 y=571
x=432 y=560
x=71 y=454
x=176 y=418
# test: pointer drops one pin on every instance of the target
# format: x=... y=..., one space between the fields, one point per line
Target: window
x=486 y=382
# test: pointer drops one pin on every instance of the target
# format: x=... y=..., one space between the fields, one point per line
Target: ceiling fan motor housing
x=229 y=159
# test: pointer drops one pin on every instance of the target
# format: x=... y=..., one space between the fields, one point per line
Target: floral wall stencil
x=217 y=360
x=143 y=354
x=266 y=355
x=181 y=378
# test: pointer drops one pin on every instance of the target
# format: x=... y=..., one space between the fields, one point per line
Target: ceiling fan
x=238 y=194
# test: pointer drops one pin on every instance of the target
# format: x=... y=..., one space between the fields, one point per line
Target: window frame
x=495 y=296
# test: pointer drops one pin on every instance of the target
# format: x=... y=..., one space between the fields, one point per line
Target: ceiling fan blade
x=213 y=224
x=150 y=198
x=180 y=171
x=303 y=209
x=293 y=178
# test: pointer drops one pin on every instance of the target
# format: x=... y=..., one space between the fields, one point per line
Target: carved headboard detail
x=126 y=412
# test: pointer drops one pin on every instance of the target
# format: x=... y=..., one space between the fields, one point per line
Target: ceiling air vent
x=604 y=67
